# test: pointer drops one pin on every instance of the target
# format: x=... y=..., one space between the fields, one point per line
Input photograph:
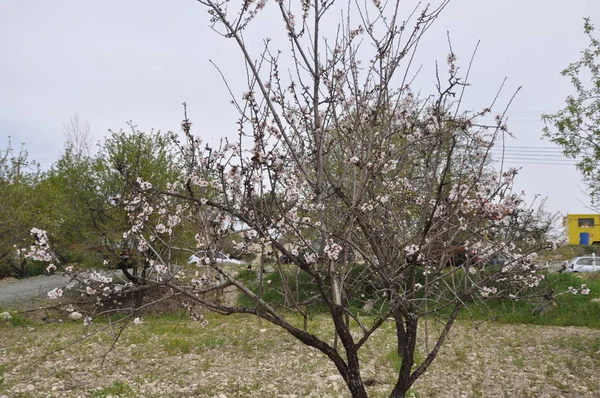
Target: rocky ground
x=242 y=357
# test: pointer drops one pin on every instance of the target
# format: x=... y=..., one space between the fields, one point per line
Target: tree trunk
x=408 y=350
x=350 y=372
x=355 y=384
x=400 y=332
x=352 y=376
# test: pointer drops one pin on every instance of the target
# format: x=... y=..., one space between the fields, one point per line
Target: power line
x=534 y=155
x=537 y=148
x=534 y=159
x=535 y=163
x=520 y=162
x=531 y=161
x=529 y=153
x=507 y=119
x=527 y=150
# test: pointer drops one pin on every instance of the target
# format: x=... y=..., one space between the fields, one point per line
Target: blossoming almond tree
x=382 y=199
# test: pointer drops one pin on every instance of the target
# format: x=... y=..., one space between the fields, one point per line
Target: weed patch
x=117 y=388
x=560 y=310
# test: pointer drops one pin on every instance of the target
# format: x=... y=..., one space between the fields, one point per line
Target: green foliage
x=76 y=201
x=303 y=288
x=273 y=287
x=83 y=259
x=89 y=188
x=126 y=156
x=21 y=208
x=80 y=208
x=576 y=127
x=34 y=268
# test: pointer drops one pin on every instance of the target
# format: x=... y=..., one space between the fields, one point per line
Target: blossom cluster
x=583 y=290
x=40 y=250
x=332 y=250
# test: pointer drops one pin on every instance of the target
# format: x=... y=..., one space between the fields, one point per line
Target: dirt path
x=21 y=290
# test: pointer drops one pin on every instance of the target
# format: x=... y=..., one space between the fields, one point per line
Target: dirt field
x=242 y=357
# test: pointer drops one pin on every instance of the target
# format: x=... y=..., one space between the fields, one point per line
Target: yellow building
x=583 y=229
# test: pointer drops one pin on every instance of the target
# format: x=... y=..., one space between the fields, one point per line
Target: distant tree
x=576 y=127
x=90 y=187
x=19 y=207
x=78 y=135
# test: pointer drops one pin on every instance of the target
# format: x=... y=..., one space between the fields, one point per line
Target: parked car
x=584 y=264
x=220 y=257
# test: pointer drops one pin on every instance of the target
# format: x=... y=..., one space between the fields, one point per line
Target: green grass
x=565 y=309
x=583 y=345
x=17 y=319
x=3 y=369
x=177 y=334
x=116 y=388
x=569 y=251
x=168 y=337
x=176 y=345
x=396 y=361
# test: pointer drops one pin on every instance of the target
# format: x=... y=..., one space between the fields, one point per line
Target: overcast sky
x=113 y=61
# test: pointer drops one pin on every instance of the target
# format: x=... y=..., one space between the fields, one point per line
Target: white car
x=584 y=264
x=220 y=257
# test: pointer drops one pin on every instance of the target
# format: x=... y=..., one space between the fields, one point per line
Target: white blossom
x=55 y=293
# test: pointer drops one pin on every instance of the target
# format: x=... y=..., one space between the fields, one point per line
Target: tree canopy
x=576 y=127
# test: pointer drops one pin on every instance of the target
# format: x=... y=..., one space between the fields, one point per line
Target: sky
x=116 y=61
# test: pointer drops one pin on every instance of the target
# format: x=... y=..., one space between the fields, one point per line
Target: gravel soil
x=240 y=356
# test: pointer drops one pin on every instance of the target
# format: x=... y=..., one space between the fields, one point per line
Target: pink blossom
x=55 y=293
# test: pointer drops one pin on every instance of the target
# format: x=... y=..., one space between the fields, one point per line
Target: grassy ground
x=240 y=356
x=563 y=309
x=567 y=252
x=559 y=309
